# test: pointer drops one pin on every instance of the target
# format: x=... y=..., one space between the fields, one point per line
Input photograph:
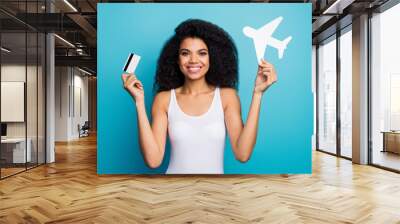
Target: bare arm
x=152 y=137
x=243 y=137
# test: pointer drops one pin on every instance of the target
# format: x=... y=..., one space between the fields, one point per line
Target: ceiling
x=76 y=22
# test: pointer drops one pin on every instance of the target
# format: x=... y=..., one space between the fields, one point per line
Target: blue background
x=286 y=117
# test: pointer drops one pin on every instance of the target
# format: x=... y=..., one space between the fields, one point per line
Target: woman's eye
x=184 y=53
x=203 y=53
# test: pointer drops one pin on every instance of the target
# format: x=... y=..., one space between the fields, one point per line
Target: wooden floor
x=5 y=172
x=387 y=159
x=70 y=191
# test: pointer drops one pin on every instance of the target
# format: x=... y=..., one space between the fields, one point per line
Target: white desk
x=18 y=149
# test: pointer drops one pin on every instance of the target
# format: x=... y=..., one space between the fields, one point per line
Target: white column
x=50 y=100
x=360 y=90
x=50 y=92
x=314 y=91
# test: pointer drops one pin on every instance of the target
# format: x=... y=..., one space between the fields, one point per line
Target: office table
x=16 y=147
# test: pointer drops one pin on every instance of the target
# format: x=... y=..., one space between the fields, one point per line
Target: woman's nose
x=193 y=59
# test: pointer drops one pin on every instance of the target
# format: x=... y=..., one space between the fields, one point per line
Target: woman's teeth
x=194 y=68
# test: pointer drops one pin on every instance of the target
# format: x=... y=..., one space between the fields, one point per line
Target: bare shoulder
x=161 y=100
x=229 y=96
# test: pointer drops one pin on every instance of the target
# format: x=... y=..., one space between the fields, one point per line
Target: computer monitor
x=3 y=129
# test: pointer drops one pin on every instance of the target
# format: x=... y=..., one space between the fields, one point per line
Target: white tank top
x=197 y=142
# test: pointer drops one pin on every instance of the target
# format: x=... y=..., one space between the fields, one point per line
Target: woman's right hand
x=134 y=87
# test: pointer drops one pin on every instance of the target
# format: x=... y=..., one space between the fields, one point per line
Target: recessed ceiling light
x=70 y=5
x=5 y=50
x=337 y=7
x=64 y=40
x=84 y=71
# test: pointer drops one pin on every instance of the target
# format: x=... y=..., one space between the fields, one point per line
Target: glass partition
x=13 y=105
x=32 y=95
x=22 y=78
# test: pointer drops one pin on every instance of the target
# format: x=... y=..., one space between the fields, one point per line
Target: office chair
x=84 y=130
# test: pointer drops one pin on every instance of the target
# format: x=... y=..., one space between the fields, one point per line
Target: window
x=385 y=89
x=346 y=93
x=327 y=96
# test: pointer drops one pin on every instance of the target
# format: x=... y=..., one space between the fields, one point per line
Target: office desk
x=16 y=147
x=391 y=141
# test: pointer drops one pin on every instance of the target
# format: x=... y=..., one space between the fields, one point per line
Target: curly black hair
x=223 y=71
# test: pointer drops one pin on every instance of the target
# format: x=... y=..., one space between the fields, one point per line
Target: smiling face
x=194 y=60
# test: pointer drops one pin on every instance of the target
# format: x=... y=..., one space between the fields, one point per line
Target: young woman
x=197 y=101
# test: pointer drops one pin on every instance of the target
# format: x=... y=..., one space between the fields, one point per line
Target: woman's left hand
x=266 y=76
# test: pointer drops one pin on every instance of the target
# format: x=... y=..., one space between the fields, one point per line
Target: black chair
x=84 y=130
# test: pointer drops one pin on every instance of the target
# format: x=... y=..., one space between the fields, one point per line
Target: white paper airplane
x=262 y=37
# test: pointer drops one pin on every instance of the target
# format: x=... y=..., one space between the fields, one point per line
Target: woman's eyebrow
x=185 y=49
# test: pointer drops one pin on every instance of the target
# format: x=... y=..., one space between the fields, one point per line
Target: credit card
x=131 y=63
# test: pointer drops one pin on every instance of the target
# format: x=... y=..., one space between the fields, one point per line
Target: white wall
x=71 y=93
x=81 y=102
x=13 y=101
x=62 y=81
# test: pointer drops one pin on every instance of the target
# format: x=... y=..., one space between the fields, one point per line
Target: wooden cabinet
x=391 y=141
